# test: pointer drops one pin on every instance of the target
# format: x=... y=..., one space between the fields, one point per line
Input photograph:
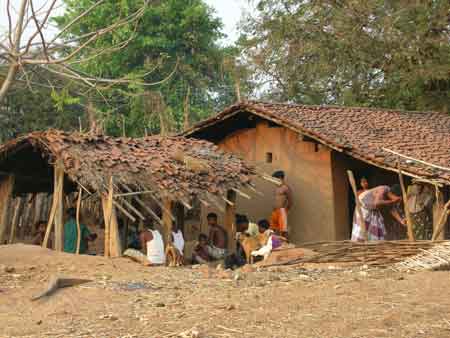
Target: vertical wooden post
x=438 y=207
x=80 y=192
x=56 y=213
x=405 y=203
x=113 y=247
x=359 y=217
x=179 y=215
x=59 y=215
x=230 y=216
x=15 y=219
x=6 y=189
x=167 y=220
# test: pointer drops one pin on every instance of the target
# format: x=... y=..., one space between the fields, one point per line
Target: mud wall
x=308 y=169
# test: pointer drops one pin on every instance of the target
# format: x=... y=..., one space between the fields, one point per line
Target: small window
x=269 y=157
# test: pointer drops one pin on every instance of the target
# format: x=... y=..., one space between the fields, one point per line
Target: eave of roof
x=388 y=160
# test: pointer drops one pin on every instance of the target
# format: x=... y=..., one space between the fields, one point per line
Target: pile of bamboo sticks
x=380 y=253
x=435 y=258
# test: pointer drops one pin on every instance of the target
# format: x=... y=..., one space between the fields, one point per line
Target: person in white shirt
x=152 y=245
x=177 y=238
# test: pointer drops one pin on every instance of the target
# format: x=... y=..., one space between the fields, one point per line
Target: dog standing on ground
x=173 y=256
x=250 y=244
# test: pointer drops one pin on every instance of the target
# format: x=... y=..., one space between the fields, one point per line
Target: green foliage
x=377 y=53
x=175 y=47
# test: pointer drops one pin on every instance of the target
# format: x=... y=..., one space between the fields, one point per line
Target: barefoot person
x=283 y=203
x=71 y=234
x=372 y=201
x=218 y=238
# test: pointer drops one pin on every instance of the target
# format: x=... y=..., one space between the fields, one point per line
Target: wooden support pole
x=359 y=217
x=241 y=193
x=6 y=189
x=405 y=203
x=80 y=191
x=442 y=220
x=230 y=226
x=167 y=221
x=113 y=247
x=56 y=213
x=438 y=206
x=15 y=219
x=59 y=215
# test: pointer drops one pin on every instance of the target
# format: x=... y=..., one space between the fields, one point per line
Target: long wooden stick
x=417 y=160
x=146 y=208
x=124 y=211
x=405 y=203
x=242 y=194
x=359 y=217
x=442 y=221
x=80 y=191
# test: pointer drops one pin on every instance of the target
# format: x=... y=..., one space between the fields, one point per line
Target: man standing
x=71 y=234
x=218 y=238
x=283 y=203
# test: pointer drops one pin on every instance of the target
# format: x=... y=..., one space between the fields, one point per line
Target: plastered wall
x=309 y=174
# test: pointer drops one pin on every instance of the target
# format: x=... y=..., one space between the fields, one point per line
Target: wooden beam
x=442 y=221
x=80 y=191
x=230 y=216
x=359 y=217
x=167 y=221
x=242 y=194
x=6 y=189
x=59 y=215
x=148 y=209
x=124 y=211
x=15 y=219
x=405 y=203
x=438 y=206
x=417 y=160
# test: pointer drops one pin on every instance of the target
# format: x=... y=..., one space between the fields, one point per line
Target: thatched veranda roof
x=176 y=167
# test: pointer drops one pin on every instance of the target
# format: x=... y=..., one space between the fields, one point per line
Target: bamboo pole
x=438 y=206
x=80 y=192
x=167 y=221
x=405 y=203
x=230 y=226
x=6 y=189
x=442 y=220
x=15 y=219
x=359 y=217
x=59 y=215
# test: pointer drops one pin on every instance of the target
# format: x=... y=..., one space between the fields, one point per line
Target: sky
x=230 y=11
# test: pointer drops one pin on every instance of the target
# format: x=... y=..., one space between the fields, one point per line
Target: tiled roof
x=177 y=167
x=363 y=133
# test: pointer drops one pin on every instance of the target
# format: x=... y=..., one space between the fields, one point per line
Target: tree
x=19 y=51
x=376 y=53
x=177 y=41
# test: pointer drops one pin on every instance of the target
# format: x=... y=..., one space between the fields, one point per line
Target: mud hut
x=120 y=172
x=316 y=145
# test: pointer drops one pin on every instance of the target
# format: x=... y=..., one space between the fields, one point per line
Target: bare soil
x=125 y=299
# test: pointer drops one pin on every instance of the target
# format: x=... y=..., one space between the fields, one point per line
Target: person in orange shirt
x=283 y=203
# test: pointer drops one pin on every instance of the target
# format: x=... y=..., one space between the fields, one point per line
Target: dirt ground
x=128 y=300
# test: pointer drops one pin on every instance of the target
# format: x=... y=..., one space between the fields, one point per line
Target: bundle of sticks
x=380 y=253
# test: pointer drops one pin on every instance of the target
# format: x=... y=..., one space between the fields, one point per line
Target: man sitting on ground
x=152 y=245
x=201 y=252
x=71 y=234
x=39 y=236
x=218 y=238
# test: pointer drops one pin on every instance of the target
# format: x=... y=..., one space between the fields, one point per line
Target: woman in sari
x=372 y=201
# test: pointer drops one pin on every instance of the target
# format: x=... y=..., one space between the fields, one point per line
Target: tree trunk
x=14 y=66
x=186 y=123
